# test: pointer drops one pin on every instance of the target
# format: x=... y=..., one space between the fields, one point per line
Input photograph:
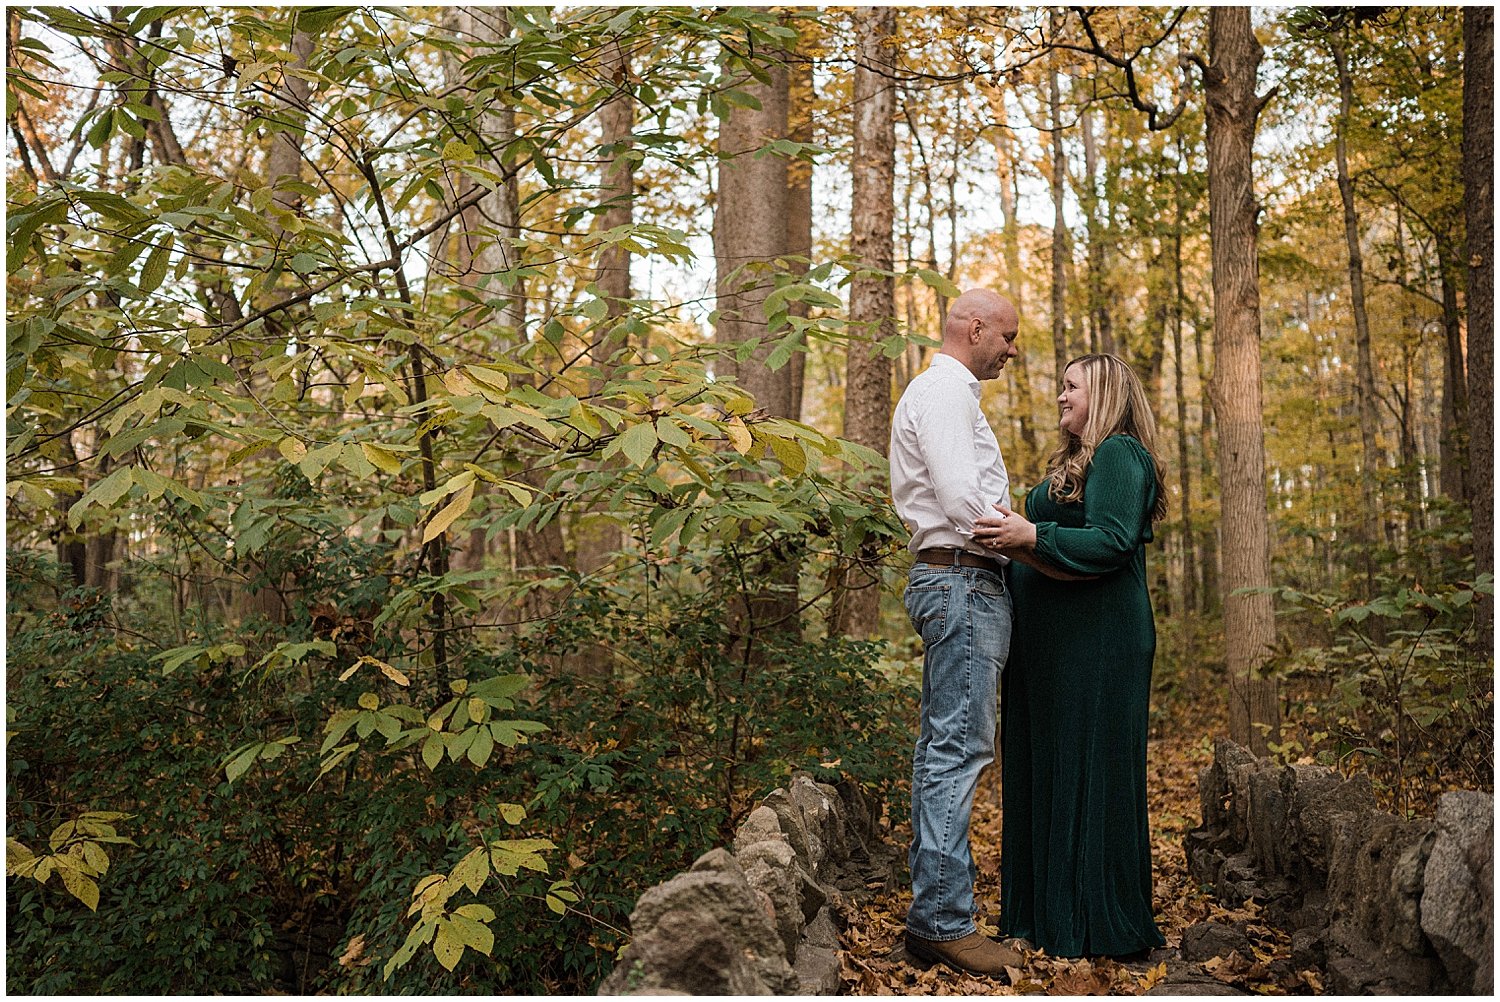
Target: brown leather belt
x=961 y=558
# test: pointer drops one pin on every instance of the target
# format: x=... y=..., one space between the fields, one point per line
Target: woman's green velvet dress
x=1076 y=851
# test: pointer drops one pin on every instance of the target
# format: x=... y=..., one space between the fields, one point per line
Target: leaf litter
x=873 y=961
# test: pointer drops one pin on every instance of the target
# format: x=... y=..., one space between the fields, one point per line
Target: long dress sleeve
x=1119 y=489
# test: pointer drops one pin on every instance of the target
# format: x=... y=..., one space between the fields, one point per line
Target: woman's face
x=1073 y=401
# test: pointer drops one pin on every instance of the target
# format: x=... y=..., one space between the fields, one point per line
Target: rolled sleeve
x=946 y=436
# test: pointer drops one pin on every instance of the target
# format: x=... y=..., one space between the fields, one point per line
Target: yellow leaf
x=380 y=458
x=355 y=389
x=447 y=947
x=450 y=513
x=96 y=857
x=291 y=449
x=394 y=674
x=81 y=887
x=739 y=435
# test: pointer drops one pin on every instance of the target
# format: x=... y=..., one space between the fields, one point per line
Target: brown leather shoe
x=976 y=953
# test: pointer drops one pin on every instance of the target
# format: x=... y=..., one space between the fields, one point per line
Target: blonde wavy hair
x=1117 y=405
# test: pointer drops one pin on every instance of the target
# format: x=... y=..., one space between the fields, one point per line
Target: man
x=946 y=471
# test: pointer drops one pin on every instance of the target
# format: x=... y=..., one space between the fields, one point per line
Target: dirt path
x=873 y=962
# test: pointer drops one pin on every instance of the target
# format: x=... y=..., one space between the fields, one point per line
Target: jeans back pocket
x=927 y=608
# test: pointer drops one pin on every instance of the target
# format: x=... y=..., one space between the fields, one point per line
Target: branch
x=1156 y=121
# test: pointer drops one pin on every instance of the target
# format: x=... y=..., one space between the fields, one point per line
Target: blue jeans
x=964 y=616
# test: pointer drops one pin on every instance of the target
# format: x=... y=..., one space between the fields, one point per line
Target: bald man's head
x=981 y=332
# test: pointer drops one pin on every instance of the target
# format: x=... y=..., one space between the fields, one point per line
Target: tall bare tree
x=800 y=109
x=1249 y=623
x=1365 y=367
x=595 y=538
x=1059 y=222
x=872 y=295
x=1479 y=202
x=750 y=233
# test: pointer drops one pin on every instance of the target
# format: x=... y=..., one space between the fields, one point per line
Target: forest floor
x=1181 y=744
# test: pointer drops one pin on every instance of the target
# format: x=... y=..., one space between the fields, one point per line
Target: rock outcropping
x=760 y=919
x=1382 y=905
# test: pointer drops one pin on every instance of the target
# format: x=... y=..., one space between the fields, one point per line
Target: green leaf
x=155 y=268
x=458 y=482
x=432 y=751
x=456 y=149
x=244 y=758
x=17 y=856
x=316 y=461
x=338 y=755
x=98 y=134
x=105 y=493
x=484 y=744
x=938 y=282
x=291 y=449
x=638 y=442
x=560 y=895
x=96 y=857
x=381 y=458
x=513 y=732
x=672 y=433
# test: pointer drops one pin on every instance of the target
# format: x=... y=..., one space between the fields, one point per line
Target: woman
x=1076 y=855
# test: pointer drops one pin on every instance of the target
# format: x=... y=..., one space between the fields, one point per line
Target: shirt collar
x=958 y=369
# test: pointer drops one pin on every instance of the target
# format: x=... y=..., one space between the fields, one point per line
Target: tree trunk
x=1453 y=451
x=1249 y=625
x=488 y=256
x=1059 y=226
x=1019 y=384
x=1478 y=174
x=1368 y=418
x=1412 y=463
x=872 y=297
x=596 y=538
x=801 y=94
x=749 y=234
x=1102 y=336
x=284 y=162
x=1184 y=469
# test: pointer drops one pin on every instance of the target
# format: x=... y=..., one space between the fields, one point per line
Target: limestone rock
x=761 y=825
x=1328 y=809
x=809 y=850
x=1458 y=891
x=823 y=815
x=1190 y=979
x=704 y=933
x=1214 y=939
x=771 y=867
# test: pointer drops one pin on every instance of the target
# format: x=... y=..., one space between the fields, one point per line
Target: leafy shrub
x=300 y=872
x=1402 y=687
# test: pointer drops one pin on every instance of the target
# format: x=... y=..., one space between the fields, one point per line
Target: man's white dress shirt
x=946 y=467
